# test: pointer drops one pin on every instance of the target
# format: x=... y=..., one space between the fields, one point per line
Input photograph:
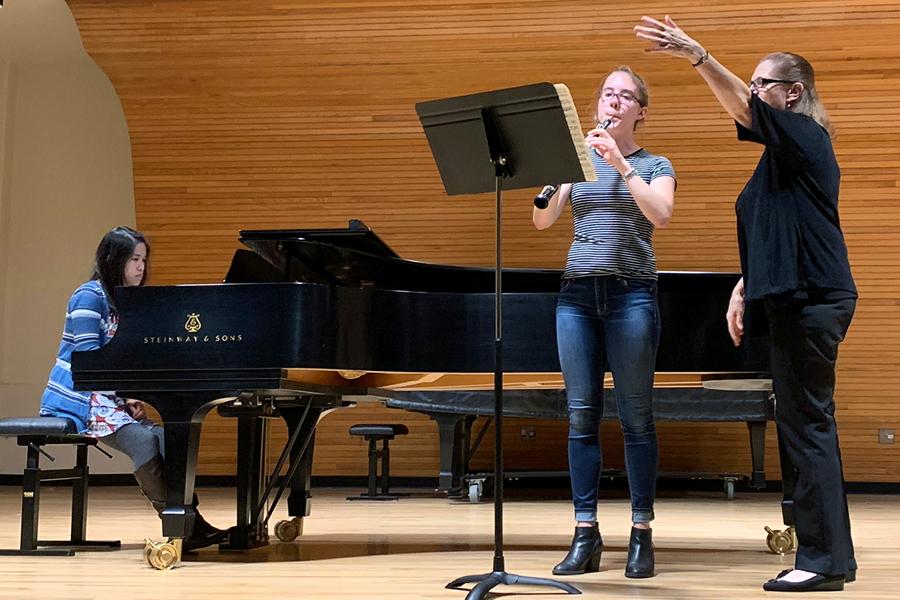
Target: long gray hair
x=793 y=67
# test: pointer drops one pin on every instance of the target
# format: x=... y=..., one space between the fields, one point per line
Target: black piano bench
x=34 y=433
x=374 y=433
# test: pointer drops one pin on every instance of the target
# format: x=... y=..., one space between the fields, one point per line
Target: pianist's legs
x=804 y=340
x=143 y=443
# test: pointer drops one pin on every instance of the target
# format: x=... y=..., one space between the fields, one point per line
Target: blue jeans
x=609 y=320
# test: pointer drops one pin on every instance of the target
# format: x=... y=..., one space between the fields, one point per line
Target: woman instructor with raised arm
x=794 y=260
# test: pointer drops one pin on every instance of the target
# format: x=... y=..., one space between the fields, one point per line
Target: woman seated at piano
x=607 y=313
x=120 y=423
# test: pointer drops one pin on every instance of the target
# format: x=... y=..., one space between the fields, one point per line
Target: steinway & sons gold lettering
x=193 y=325
x=194 y=339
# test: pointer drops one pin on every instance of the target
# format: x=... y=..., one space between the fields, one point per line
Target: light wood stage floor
x=706 y=547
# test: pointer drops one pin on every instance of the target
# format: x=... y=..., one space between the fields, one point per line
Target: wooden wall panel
x=253 y=114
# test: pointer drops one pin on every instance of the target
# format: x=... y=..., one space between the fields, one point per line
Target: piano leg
x=182 y=443
x=300 y=498
x=251 y=452
x=301 y=421
x=451 y=433
x=256 y=502
x=757 y=430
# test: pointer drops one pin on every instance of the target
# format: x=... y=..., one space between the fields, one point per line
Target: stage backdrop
x=255 y=114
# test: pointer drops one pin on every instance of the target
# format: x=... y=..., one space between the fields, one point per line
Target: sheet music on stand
x=538 y=124
x=571 y=115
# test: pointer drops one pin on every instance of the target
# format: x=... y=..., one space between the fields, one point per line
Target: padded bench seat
x=35 y=433
x=373 y=432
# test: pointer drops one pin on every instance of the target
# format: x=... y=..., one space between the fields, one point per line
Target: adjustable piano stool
x=374 y=433
x=34 y=433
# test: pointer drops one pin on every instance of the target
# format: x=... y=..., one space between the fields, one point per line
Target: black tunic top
x=789 y=232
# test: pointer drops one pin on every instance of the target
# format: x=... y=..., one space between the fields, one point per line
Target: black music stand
x=528 y=136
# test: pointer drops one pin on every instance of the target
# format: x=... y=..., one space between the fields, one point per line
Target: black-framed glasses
x=761 y=82
x=624 y=96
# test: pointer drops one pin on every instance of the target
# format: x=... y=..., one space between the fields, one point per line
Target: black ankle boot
x=204 y=527
x=641 y=562
x=584 y=555
x=204 y=534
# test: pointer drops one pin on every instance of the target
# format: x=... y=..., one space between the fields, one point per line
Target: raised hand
x=665 y=36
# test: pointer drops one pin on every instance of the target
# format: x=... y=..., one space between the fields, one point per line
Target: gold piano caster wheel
x=148 y=547
x=162 y=556
x=288 y=531
x=780 y=542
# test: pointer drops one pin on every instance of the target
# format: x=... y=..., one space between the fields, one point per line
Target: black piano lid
x=357 y=257
x=356 y=236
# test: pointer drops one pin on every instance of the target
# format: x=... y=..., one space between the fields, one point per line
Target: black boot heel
x=641 y=563
x=584 y=554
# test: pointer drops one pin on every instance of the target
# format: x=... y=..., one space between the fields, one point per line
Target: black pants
x=805 y=334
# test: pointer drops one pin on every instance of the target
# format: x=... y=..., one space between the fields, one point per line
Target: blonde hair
x=641 y=91
x=793 y=67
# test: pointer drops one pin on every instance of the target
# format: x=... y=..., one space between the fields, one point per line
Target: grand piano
x=308 y=321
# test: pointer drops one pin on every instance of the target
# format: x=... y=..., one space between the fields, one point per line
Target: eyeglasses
x=624 y=96
x=761 y=82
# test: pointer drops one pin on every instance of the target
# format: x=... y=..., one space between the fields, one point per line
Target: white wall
x=65 y=179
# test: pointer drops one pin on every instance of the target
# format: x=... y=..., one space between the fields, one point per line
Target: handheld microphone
x=542 y=200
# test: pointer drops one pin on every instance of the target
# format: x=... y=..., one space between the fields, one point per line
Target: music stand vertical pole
x=488 y=581
x=498 y=381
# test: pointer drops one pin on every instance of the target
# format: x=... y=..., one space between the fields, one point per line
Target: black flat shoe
x=584 y=554
x=817 y=583
x=780 y=575
x=850 y=577
x=640 y=563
